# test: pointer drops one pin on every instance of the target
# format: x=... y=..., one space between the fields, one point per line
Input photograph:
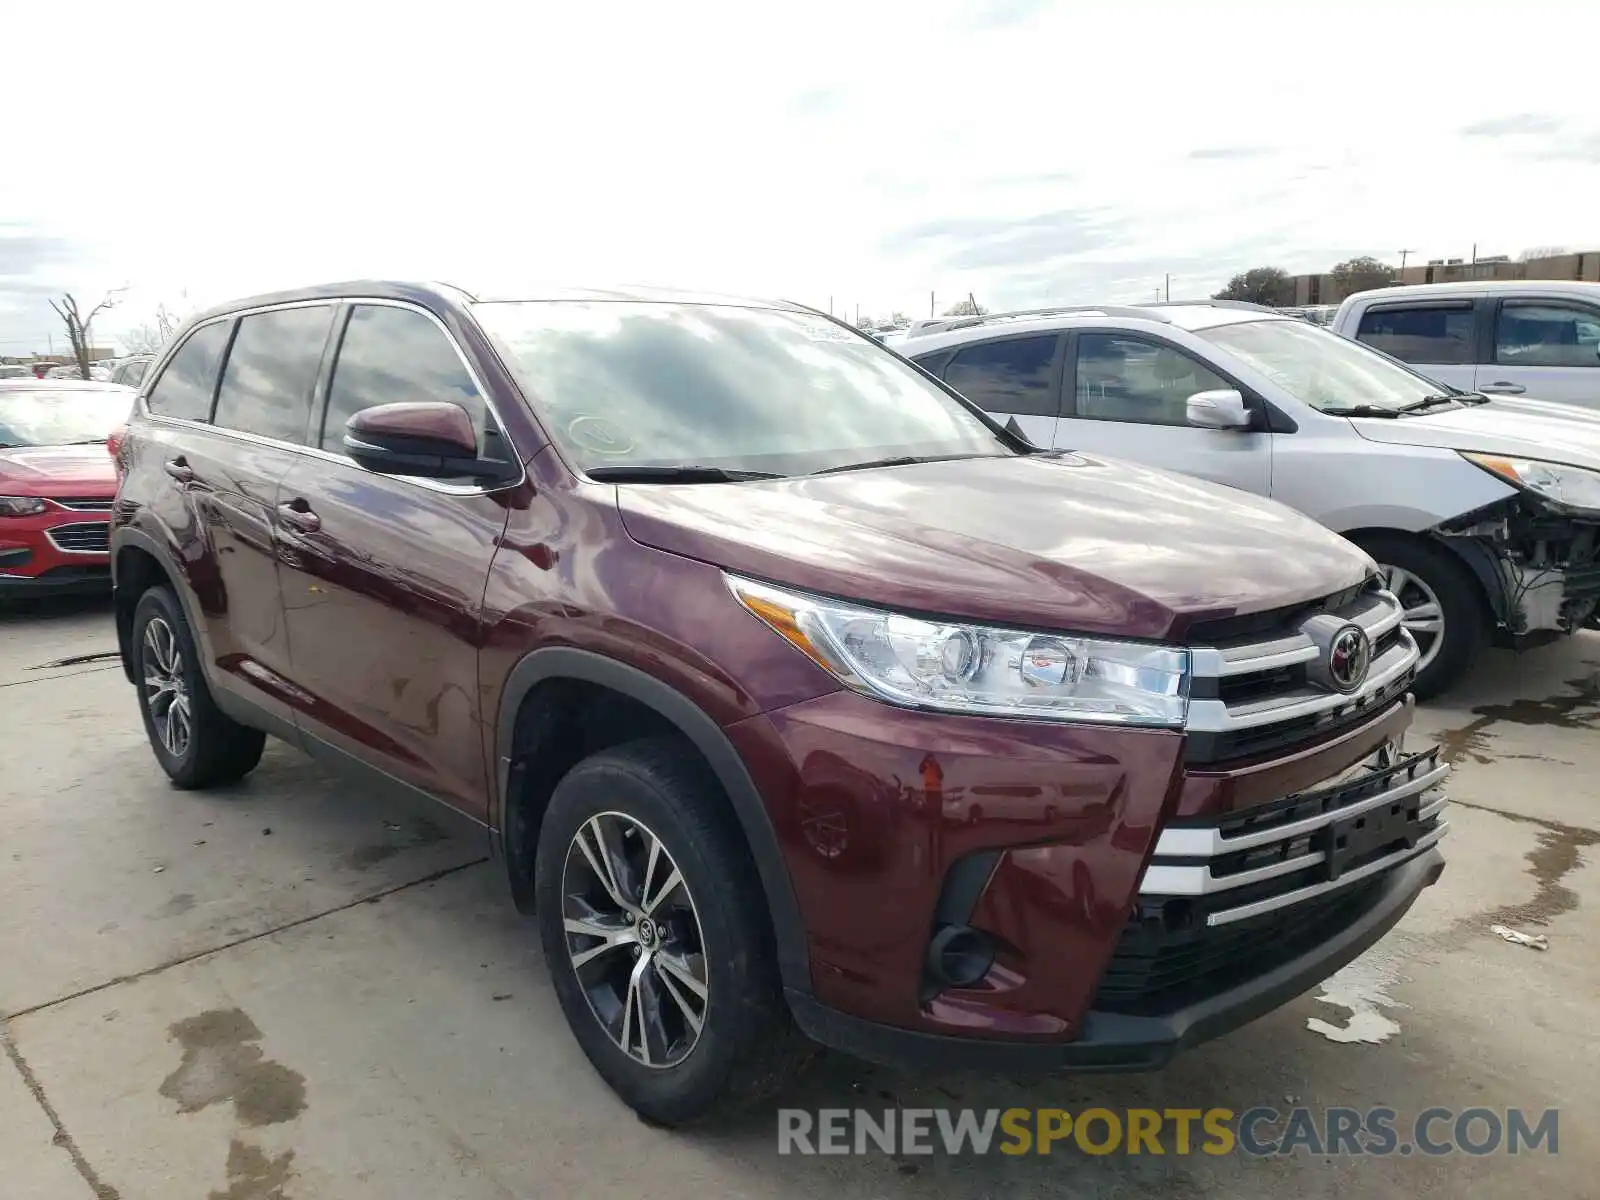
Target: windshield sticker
x=600 y=436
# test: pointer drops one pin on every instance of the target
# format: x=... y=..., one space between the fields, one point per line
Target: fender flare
x=565 y=662
x=138 y=539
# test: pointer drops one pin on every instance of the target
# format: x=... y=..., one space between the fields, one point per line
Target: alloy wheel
x=1424 y=616
x=166 y=692
x=634 y=939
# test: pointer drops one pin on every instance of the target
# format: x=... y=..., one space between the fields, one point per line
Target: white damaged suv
x=1483 y=514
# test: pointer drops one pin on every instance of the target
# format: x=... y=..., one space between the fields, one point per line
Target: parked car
x=130 y=371
x=1535 y=337
x=56 y=485
x=1483 y=518
x=15 y=371
x=793 y=691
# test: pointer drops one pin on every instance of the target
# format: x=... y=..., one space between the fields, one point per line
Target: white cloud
x=1084 y=150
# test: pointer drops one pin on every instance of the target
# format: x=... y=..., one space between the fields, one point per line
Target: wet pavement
x=284 y=991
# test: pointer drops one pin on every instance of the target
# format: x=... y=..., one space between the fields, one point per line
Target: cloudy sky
x=1025 y=151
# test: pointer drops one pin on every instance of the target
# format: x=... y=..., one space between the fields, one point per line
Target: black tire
x=217 y=750
x=1460 y=598
x=746 y=1046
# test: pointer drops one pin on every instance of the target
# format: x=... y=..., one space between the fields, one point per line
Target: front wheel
x=1445 y=611
x=650 y=915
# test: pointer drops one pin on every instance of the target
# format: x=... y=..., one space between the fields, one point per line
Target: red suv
x=796 y=695
x=56 y=485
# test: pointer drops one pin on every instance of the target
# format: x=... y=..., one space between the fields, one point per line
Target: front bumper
x=1109 y=1041
x=57 y=581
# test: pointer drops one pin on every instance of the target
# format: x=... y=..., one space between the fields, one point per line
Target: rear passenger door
x=1011 y=379
x=1128 y=398
x=226 y=439
x=1437 y=337
x=1545 y=349
x=383 y=576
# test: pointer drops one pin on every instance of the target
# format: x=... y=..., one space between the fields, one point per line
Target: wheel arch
x=1469 y=552
x=138 y=563
x=684 y=718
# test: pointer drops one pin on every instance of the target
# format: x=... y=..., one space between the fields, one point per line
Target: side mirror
x=432 y=439
x=1223 y=408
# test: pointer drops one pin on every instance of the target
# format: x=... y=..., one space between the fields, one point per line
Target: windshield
x=60 y=418
x=746 y=389
x=1321 y=368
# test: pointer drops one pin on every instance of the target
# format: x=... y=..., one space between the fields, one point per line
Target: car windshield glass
x=746 y=389
x=58 y=418
x=1321 y=368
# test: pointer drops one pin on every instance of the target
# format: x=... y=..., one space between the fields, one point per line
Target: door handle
x=1504 y=388
x=296 y=516
x=179 y=470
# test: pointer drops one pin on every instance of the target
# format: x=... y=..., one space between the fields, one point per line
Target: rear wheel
x=1444 y=607
x=196 y=743
x=650 y=915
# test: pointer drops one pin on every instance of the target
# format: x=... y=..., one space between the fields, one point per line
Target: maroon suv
x=794 y=692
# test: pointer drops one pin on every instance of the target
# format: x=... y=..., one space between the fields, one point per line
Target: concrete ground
x=285 y=992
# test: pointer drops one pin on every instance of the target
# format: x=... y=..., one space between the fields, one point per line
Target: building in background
x=1579 y=265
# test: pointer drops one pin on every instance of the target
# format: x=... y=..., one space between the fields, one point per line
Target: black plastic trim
x=1115 y=1042
x=565 y=662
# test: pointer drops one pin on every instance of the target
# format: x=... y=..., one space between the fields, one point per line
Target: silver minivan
x=1484 y=514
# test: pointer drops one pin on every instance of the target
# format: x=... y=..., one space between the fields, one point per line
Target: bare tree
x=966 y=308
x=1533 y=252
x=1260 y=285
x=78 y=324
x=152 y=335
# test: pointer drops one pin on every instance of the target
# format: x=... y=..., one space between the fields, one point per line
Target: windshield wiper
x=1428 y=402
x=904 y=460
x=1470 y=397
x=645 y=473
x=1362 y=410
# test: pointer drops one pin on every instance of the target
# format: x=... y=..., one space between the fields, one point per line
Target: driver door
x=1126 y=396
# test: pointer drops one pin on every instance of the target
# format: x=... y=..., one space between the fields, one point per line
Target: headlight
x=21 y=506
x=977 y=668
x=1572 y=486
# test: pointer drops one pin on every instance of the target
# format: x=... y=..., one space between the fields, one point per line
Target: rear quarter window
x=187 y=384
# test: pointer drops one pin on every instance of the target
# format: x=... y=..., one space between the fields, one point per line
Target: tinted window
x=272 y=371
x=1546 y=335
x=1424 y=334
x=133 y=373
x=1012 y=376
x=185 y=387
x=390 y=355
x=1128 y=379
x=761 y=389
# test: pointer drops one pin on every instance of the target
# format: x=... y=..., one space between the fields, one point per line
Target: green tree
x=1259 y=285
x=966 y=308
x=1358 y=274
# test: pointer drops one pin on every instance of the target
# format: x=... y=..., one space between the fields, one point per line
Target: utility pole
x=1405 y=254
x=1474 y=253
x=858 y=316
x=931 y=313
x=830 y=306
x=1169 y=286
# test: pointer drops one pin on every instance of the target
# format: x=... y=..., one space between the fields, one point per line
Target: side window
x=1437 y=333
x=272 y=372
x=185 y=387
x=1129 y=379
x=1006 y=377
x=135 y=373
x=1541 y=334
x=391 y=354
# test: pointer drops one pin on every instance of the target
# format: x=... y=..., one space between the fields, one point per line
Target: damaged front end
x=1537 y=560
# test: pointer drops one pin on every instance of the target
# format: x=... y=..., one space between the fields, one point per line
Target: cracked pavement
x=287 y=991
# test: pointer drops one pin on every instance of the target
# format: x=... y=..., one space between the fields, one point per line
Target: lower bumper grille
x=1225 y=899
x=82 y=537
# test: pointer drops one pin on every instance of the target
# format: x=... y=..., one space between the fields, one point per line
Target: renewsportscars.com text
x=1257 y=1132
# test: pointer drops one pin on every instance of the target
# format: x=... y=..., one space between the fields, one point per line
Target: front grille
x=1256 y=695
x=1230 y=897
x=1156 y=970
x=82 y=537
x=84 y=503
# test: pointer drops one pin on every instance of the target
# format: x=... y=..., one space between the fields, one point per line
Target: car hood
x=58 y=471
x=1559 y=433
x=1075 y=542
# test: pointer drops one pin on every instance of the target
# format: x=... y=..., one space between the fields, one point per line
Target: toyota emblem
x=1349 y=658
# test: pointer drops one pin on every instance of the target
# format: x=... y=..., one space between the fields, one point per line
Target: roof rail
x=1216 y=304
x=929 y=325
